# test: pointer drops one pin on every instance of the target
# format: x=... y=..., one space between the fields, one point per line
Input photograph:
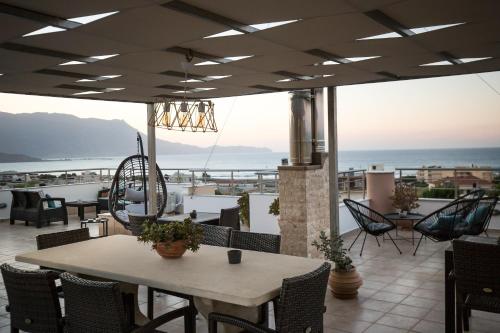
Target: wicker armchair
x=300 y=306
x=54 y=239
x=230 y=217
x=255 y=241
x=370 y=222
x=33 y=303
x=216 y=235
x=30 y=206
x=95 y=306
x=476 y=272
x=446 y=223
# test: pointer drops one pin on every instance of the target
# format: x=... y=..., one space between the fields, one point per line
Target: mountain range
x=55 y=135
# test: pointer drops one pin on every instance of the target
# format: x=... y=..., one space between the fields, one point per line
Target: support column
x=333 y=160
x=152 y=195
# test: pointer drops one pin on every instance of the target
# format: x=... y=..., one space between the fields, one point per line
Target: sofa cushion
x=134 y=195
x=476 y=218
x=50 y=203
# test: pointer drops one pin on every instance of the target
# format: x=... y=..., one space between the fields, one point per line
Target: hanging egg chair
x=128 y=195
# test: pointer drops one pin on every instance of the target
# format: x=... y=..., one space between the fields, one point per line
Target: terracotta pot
x=174 y=250
x=345 y=284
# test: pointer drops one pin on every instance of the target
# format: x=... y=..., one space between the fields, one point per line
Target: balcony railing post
x=25 y=180
x=364 y=184
x=348 y=185
x=400 y=175
x=260 y=179
x=100 y=175
x=455 y=182
x=66 y=177
x=276 y=184
x=232 y=183
x=109 y=175
x=192 y=182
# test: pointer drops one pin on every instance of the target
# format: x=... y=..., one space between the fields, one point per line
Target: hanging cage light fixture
x=181 y=114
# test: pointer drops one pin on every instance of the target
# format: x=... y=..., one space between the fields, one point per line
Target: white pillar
x=333 y=160
x=152 y=195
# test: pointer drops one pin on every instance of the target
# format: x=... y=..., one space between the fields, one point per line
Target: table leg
x=81 y=213
x=106 y=223
x=449 y=286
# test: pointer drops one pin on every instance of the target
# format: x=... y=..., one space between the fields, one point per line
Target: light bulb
x=184 y=116
x=201 y=115
x=166 y=115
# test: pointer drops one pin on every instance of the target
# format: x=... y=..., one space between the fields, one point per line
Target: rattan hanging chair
x=128 y=194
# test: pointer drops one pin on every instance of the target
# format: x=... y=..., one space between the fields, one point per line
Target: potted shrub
x=171 y=240
x=405 y=198
x=344 y=280
x=274 y=208
x=244 y=203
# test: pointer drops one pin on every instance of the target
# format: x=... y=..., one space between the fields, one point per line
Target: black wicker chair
x=300 y=306
x=230 y=217
x=370 y=222
x=255 y=241
x=30 y=206
x=216 y=235
x=476 y=273
x=54 y=239
x=446 y=223
x=33 y=301
x=95 y=306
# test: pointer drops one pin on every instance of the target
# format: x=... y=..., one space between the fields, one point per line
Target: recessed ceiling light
x=106 y=56
x=91 y=18
x=85 y=80
x=356 y=59
x=204 y=89
x=416 y=31
x=226 y=33
x=438 y=63
x=328 y=75
x=114 y=89
x=466 y=60
x=329 y=62
x=217 y=77
x=285 y=80
x=182 y=92
x=88 y=92
x=191 y=81
x=74 y=62
x=238 y=58
x=47 y=30
x=205 y=63
x=111 y=76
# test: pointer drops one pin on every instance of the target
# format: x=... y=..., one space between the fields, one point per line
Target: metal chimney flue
x=300 y=127
x=318 y=120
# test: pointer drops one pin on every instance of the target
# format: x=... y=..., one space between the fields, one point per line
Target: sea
x=391 y=159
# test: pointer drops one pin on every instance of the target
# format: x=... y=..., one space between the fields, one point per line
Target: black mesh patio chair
x=370 y=222
x=446 y=223
x=95 y=306
x=476 y=273
x=32 y=298
x=54 y=239
x=300 y=306
x=254 y=241
x=230 y=217
x=216 y=235
x=478 y=219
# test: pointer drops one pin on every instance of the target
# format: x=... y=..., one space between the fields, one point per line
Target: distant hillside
x=53 y=135
x=13 y=158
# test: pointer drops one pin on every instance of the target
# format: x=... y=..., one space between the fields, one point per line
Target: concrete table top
x=205 y=273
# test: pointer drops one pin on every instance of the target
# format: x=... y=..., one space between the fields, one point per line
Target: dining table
x=205 y=273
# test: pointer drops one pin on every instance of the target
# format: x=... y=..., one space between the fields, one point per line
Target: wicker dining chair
x=54 y=239
x=96 y=306
x=300 y=306
x=254 y=241
x=476 y=273
x=230 y=217
x=370 y=222
x=32 y=298
x=216 y=235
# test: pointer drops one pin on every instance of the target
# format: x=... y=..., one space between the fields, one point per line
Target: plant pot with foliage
x=344 y=280
x=171 y=240
x=244 y=203
x=405 y=198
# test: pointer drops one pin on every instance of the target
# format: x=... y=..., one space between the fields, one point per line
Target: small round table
x=412 y=217
x=101 y=220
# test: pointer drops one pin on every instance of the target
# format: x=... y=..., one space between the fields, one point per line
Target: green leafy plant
x=274 y=208
x=333 y=250
x=244 y=203
x=168 y=233
x=405 y=197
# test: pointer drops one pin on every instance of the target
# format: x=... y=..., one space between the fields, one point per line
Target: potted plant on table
x=405 y=198
x=344 y=280
x=171 y=240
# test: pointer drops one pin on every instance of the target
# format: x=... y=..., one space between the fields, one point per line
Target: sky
x=450 y=112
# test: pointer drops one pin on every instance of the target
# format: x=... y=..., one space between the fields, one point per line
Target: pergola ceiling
x=150 y=39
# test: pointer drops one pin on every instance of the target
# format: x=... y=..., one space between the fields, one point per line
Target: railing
x=450 y=183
